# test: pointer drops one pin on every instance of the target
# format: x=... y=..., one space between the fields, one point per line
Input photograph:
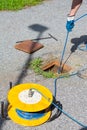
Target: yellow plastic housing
x=44 y=103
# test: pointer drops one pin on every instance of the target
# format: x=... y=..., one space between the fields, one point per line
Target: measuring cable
x=66 y=40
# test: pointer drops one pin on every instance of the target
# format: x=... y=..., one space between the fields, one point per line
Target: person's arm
x=70 y=18
x=75 y=6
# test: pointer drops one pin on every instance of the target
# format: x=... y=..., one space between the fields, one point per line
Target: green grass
x=36 y=66
x=36 y=63
x=17 y=4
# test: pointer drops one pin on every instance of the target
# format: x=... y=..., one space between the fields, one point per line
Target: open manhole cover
x=48 y=67
x=54 y=65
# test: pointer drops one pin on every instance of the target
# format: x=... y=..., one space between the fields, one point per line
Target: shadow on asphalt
x=57 y=112
x=40 y=29
x=78 y=41
x=1 y=123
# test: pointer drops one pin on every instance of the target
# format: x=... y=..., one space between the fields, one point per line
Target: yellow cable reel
x=28 y=104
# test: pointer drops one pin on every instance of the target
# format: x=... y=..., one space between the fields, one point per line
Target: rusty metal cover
x=28 y=46
x=55 y=63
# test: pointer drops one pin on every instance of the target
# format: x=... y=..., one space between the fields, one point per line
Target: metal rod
x=10 y=85
x=63 y=52
x=2 y=110
x=30 y=94
x=53 y=37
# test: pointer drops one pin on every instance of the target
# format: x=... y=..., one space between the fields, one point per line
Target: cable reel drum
x=29 y=104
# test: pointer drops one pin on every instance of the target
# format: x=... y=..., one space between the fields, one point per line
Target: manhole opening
x=55 y=69
x=54 y=66
x=48 y=68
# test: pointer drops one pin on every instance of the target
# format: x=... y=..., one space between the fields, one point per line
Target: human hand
x=70 y=23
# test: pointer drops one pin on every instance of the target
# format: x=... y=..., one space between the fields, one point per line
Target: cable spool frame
x=34 y=109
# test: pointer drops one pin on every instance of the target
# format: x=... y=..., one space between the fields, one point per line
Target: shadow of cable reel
x=57 y=112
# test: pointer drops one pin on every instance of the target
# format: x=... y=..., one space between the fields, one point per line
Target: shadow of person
x=78 y=41
x=40 y=29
